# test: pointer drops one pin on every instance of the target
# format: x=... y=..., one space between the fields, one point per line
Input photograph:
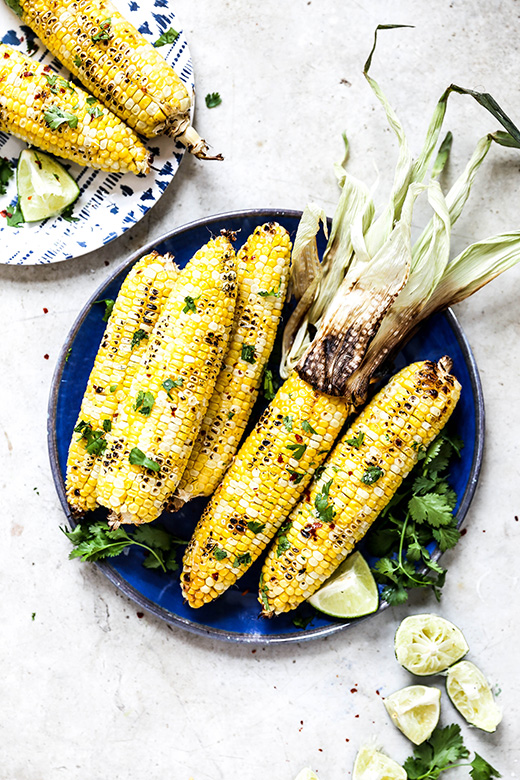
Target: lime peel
x=428 y=644
x=45 y=189
x=351 y=591
x=415 y=711
x=471 y=695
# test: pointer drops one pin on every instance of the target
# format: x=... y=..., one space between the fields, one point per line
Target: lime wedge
x=351 y=591
x=415 y=711
x=428 y=644
x=306 y=774
x=371 y=764
x=45 y=188
x=471 y=694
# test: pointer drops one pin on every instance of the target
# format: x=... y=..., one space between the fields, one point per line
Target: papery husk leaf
x=305 y=261
x=443 y=155
x=360 y=304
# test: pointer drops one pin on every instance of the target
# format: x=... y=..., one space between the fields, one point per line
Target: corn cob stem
x=262 y=271
x=157 y=423
x=265 y=481
x=135 y=311
x=360 y=477
x=54 y=115
x=118 y=65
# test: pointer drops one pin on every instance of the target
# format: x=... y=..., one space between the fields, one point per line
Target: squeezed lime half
x=371 y=764
x=428 y=644
x=471 y=694
x=351 y=591
x=45 y=188
x=306 y=774
x=415 y=711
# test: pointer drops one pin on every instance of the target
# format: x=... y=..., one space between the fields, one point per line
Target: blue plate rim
x=112 y=574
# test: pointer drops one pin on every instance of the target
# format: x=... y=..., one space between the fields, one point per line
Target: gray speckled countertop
x=89 y=689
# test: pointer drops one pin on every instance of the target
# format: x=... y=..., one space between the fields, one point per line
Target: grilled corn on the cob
x=58 y=117
x=265 y=481
x=157 y=423
x=360 y=477
x=136 y=309
x=117 y=64
x=262 y=271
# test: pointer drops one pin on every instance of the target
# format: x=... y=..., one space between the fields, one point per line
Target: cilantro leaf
x=371 y=475
x=242 y=560
x=248 y=353
x=288 y=422
x=446 y=536
x=15 y=216
x=109 y=305
x=104 y=32
x=431 y=508
x=170 y=383
x=326 y=511
x=138 y=336
x=482 y=770
x=219 y=553
x=190 y=304
x=138 y=458
x=144 y=403
x=67 y=214
x=298 y=450
x=213 y=99
x=55 y=116
x=307 y=427
x=268 y=385
x=282 y=545
x=357 y=441
x=6 y=172
x=255 y=526
x=167 y=37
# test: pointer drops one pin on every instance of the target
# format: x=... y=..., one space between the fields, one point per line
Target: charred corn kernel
x=114 y=62
x=265 y=481
x=53 y=114
x=360 y=477
x=262 y=271
x=162 y=413
x=135 y=312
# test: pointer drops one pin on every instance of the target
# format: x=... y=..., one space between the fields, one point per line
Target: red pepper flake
x=356 y=716
x=280 y=458
x=464 y=532
x=253 y=651
x=106 y=262
x=6 y=56
x=320 y=750
x=46 y=357
x=215 y=575
x=3 y=213
x=347 y=739
x=516 y=518
x=377 y=692
x=353 y=690
x=46 y=68
x=140 y=614
x=45 y=310
x=349 y=473
x=298 y=438
x=29 y=197
x=483 y=530
x=27 y=74
x=245 y=592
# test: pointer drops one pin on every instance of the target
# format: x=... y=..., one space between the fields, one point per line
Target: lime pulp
x=45 y=188
x=415 y=711
x=371 y=764
x=351 y=591
x=428 y=644
x=471 y=694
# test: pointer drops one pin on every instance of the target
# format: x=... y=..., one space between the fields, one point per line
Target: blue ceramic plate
x=235 y=616
x=109 y=203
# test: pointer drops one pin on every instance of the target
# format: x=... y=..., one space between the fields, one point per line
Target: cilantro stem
x=145 y=546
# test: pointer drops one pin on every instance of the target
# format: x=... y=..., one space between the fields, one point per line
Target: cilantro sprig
x=6 y=172
x=96 y=541
x=445 y=750
x=421 y=512
x=167 y=37
x=269 y=385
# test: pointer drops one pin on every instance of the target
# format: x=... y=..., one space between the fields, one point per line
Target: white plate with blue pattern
x=109 y=203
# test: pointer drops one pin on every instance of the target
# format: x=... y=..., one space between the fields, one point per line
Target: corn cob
x=133 y=316
x=262 y=271
x=360 y=477
x=116 y=64
x=268 y=476
x=156 y=426
x=58 y=117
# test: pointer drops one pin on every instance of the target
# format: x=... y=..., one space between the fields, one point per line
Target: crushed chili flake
x=140 y=614
x=353 y=690
x=3 y=213
x=298 y=438
x=464 y=532
x=27 y=74
x=45 y=310
x=46 y=69
x=516 y=518
x=46 y=357
x=6 y=56
x=356 y=716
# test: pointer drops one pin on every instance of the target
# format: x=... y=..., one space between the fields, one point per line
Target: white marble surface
x=89 y=690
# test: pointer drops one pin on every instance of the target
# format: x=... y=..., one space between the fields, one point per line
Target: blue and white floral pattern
x=109 y=203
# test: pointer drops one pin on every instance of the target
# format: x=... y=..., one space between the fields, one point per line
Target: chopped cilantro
x=298 y=450
x=95 y=440
x=357 y=441
x=95 y=111
x=297 y=476
x=77 y=62
x=307 y=427
x=104 y=32
x=56 y=116
x=107 y=425
x=213 y=99
x=113 y=388
x=138 y=458
x=248 y=353
x=288 y=422
x=371 y=475
x=325 y=511
x=67 y=215
x=272 y=292
x=282 y=545
x=219 y=553
x=6 y=172
x=170 y=36
x=268 y=385
x=230 y=415
x=170 y=383
x=190 y=304
x=242 y=560
x=109 y=305
x=255 y=526
x=15 y=216
x=138 y=336
x=144 y=403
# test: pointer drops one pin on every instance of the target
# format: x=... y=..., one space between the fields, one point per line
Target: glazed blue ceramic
x=235 y=616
